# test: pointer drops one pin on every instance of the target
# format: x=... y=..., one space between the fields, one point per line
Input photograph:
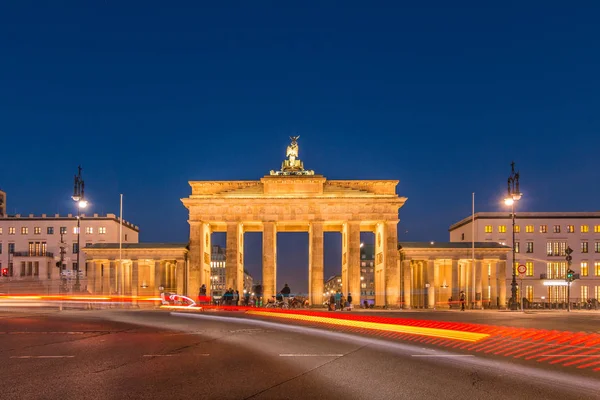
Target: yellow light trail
x=412 y=330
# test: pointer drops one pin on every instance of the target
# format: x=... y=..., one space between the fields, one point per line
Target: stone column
x=158 y=276
x=432 y=282
x=478 y=284
x=269 y=267
x=494 y=284
x=234 y=265
x=90 y=272
x=135 y=278
x=392 y=267
x=180 y=277
x=345 y=262
x=99 y=277
x=113 y=277
x=353 y=238
x=199 y=257
x=315 y=263
x=502 y=282
x=455 y=288
x=407 y=275
x=379 y=265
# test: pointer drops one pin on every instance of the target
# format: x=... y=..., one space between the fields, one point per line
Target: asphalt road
x=157 y=355
x=575 y=321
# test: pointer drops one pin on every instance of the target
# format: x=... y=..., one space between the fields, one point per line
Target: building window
x=543 y=228
x=50 y=230
x=585 y=229
x=596 y=228
x=11 y=230
x=102 y=230
x=597 y=268
x=584 y=247
x=529 y=265
x=44 y=248
x=597 y=247
x=584 y=268
x=597 y=290
x=570 y=228
x=11 y=248
x=0 y=230
x=75 y=248
x=501 y=228
x=37 y=230
x=31 y=249
x=556 y=248
x=63 y=230
x=125 y=237
x=24 y=230
x=0 y=248
x=529 y=293
x=585 y=293
x=488 y=229
x=462 y=236
x=517 y=229
x=529 y=228
x=75 y=230
x=530 y=247
x=556 y=228
x=75 y=267
x=556 y=270
x=517 y=247
x=89 y=230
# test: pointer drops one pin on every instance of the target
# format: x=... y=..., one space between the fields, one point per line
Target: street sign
x=522 y=269
x=569 y=258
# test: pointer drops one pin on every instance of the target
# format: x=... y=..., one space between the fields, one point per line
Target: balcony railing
x=33 y=254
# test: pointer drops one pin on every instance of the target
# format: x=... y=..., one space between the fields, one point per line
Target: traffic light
x=4 y=271
x=570 y=275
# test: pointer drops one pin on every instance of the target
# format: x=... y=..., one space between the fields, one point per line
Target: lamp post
x=514 y=195
x=79 y=198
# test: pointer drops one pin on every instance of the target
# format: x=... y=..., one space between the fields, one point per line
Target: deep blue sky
x=443 y=96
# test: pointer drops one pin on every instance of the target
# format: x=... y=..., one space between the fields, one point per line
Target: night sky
x=148 y=95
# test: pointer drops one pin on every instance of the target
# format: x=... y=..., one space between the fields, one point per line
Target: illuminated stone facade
x=296 y=201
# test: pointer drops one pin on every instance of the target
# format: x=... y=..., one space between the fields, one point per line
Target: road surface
x=158 y=355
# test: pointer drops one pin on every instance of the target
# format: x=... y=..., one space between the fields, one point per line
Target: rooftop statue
x=293 y=165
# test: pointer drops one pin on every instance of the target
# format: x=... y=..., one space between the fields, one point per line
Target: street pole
x=77 y=286
x=79 y=198
x=514 y=195
x=513 y=285
x=570 y=276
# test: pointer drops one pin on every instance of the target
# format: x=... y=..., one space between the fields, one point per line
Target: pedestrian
x=285 y=292
x=236 y=297
x=462 y=301
x=338 y=298
x=332 y=302
x=349 y=301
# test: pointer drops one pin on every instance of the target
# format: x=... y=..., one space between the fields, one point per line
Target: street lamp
x=514 y=195
x=79 y=198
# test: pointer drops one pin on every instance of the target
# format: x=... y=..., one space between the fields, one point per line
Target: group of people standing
x=338 y=302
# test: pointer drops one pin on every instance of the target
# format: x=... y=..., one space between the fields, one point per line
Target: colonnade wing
x=432 y=276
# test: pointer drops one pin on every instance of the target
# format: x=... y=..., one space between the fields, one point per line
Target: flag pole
x=474 y=275
x=122 y=285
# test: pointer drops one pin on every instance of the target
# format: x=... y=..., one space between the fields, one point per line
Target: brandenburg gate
x=293 y=199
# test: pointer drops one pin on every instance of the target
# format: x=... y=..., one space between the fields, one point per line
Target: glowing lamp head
x=509 y=201
x=82 y=203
